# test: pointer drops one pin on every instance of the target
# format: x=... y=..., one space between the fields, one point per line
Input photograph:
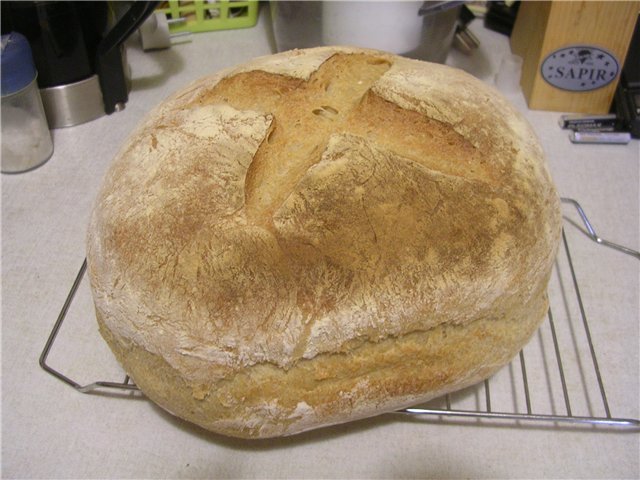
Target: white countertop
x=50 y=430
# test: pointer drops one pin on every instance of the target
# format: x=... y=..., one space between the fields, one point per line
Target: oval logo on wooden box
x=579 y=68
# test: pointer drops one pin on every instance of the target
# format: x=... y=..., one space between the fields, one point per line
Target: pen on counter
x=607 y=128
x=603 y=123
x=621 y=138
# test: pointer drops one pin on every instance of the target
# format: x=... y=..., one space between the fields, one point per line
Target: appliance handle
x=110 y=65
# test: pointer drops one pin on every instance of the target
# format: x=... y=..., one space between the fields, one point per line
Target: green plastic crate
x=204 y=16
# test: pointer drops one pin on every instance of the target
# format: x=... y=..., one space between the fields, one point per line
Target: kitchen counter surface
x=51 y=431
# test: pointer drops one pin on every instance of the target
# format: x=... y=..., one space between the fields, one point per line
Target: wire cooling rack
x=562 y=384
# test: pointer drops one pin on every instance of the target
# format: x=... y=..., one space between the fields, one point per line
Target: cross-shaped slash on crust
x=337 y=98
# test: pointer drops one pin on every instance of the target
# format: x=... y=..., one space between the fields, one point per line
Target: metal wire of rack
x=563 y=413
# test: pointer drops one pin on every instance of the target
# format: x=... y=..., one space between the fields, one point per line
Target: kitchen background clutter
x=79 y=54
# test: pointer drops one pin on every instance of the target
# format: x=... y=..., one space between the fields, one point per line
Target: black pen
x=603 y=123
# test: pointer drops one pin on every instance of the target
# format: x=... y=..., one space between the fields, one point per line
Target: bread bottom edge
x=265 y=401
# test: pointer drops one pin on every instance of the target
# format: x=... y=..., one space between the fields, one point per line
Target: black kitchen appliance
x=78 y=52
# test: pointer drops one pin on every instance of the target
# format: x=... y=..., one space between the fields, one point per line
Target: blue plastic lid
x=18 y=69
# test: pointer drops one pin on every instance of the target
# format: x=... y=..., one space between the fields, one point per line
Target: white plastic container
x=394 y=27
x=422 y=30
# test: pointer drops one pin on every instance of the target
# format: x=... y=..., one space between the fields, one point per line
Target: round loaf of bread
x=319 y=236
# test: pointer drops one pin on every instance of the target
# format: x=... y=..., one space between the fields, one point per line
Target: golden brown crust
x=319 y=236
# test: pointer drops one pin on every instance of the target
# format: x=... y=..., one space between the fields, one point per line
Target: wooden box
x=572 y=52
